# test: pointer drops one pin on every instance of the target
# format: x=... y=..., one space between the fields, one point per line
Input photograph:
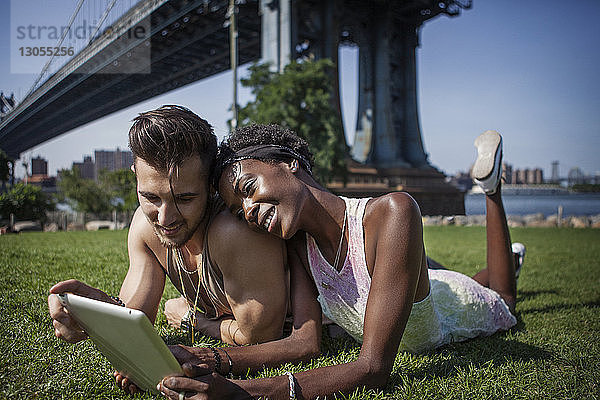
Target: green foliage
x=300 y=99
x=114 y=190
x=4 y=168
x=26 y=202
x=586 y=188
x=83 y=194
x=121 y=185
x=552 y=353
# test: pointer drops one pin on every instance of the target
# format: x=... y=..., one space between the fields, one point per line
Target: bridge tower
x=387 y=153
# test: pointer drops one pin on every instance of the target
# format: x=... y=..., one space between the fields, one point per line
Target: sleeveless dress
x=457 y=307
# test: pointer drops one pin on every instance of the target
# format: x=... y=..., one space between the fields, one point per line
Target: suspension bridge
x=140 y=49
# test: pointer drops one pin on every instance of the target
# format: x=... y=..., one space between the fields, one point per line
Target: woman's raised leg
x=500 y=272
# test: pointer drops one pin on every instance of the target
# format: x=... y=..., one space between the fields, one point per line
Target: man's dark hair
x=167 y=136
x=258 y=134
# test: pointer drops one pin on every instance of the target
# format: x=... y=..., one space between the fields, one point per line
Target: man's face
x=190 y=195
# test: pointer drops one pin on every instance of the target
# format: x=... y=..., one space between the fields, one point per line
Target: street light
x=233 y=34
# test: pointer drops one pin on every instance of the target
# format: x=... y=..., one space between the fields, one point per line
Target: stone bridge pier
x=388 y=152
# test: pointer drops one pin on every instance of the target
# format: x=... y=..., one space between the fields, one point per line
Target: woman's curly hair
x=260 y=134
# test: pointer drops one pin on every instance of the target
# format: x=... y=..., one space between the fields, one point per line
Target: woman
x=363 y=259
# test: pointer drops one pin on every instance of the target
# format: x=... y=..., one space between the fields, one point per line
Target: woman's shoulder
x=392 y=204
x=396 y=210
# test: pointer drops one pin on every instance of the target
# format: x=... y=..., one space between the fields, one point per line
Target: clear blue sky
x=528 y=69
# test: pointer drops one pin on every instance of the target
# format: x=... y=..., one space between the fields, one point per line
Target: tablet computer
x=126 y=338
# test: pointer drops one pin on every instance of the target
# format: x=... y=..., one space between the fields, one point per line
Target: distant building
x=86 y=168
x=462 y=181
x=526 y=176
x=39 y=166
x=538 y=176
x=47 y=183
x=521 y=177
x=111 y=160
x=507 y=173
x=555 y=172
x=576 y=176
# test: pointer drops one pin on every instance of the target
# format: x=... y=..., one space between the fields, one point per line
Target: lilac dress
x=457 y=308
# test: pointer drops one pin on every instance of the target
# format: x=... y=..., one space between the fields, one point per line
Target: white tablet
x=126 y=338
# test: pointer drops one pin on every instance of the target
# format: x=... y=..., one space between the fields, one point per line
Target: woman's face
x=265 y=195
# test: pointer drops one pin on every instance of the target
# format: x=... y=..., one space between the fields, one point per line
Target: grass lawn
x=552 y=353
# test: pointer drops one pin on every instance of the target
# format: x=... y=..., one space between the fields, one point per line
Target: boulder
x=24 y=226
x=98 y=225
x=579 y=222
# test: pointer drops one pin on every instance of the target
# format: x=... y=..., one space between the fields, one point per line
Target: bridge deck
x=189 y=42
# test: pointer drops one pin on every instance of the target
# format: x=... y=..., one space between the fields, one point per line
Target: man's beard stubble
x=176 y=244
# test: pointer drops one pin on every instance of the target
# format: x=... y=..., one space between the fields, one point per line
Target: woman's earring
x=294 y=167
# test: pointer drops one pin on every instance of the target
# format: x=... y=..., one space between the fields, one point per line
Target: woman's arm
x=394 y=232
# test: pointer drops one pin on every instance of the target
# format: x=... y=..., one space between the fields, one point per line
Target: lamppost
x=233 y=35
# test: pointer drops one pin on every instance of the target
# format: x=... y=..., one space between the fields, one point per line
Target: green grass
x=553 y=352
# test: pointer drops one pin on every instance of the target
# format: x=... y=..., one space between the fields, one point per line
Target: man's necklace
x=179 y=262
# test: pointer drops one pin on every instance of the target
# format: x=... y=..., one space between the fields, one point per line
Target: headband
x=266 y=152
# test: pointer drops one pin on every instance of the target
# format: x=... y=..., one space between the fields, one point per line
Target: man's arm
x=255 y=280
x=144 y=283
x=301 y=345
x=142 y=288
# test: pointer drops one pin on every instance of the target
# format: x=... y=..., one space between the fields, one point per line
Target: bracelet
x=292 y=385
x=233 y=337
x=217 y=357
x=118 y=301
x=229 y=327
x=186 y=321
x=230 y=372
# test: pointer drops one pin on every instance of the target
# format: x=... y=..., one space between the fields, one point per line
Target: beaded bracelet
x=217 y=357
x=118 y=301
x=292 y=385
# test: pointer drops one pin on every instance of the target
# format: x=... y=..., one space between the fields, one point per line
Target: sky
x=525 y=68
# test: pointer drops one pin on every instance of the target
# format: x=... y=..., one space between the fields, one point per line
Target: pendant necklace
x=179 y=262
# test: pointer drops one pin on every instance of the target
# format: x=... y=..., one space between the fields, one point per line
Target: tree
x=26 y=202
x=300 y=99
x=83 y=194
x=4 y=168
x=115 y=190
x=122 y=186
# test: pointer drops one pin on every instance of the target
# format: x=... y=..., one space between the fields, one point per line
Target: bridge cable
x=64 y=34
x=102 y=19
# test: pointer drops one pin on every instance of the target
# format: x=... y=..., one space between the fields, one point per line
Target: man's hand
x=175 y=309
x=65 y=327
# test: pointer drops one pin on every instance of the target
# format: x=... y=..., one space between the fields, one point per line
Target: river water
x=515 y=204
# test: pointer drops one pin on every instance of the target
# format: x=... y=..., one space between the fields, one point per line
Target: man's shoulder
x=228 y=236
x=141 y=233
x=226 y=226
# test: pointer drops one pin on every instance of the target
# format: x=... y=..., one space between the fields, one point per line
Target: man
x=234 y=275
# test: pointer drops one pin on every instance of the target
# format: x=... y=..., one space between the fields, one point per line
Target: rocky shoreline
x=531 y=220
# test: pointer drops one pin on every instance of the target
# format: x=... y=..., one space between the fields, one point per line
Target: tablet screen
x=126 y=338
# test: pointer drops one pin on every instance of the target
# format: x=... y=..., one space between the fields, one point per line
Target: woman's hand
x=175 y=309
x=212 y=386
x=195 y=361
